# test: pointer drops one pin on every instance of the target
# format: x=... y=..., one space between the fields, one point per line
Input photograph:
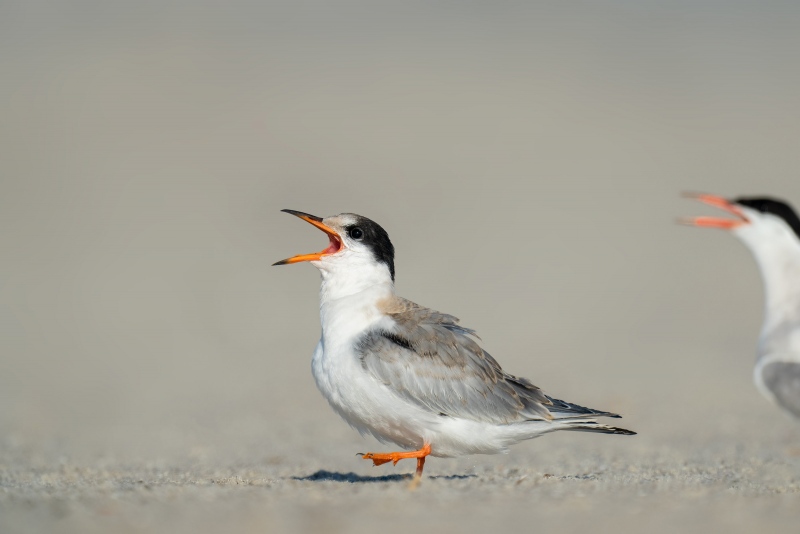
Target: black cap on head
x=774 y=206
x=375 y=238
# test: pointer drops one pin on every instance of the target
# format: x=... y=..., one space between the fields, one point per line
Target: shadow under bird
x=410 y=375
x=770 y=228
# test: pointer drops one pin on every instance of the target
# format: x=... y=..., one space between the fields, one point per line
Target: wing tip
x=621 y=431
x=576 y=410
x=594 y=426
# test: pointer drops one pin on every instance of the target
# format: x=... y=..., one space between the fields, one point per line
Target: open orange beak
x=334 y=246
x=716 y=222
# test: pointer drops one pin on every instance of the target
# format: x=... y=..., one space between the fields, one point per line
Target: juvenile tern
x=770 y=228
x=410 y=375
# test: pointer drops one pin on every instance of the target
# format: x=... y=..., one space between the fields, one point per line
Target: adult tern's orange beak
x=334 y=246
x=716 y=222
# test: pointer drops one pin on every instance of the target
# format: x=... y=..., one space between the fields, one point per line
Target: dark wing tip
x=622 y=431
x=594 y=426
x=563 y=407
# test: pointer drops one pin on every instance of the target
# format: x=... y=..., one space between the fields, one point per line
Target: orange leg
x=380 y=458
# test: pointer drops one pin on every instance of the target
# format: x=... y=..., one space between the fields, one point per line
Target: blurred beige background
x=525 y=157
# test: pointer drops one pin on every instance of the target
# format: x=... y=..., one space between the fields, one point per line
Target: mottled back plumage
x=427 y=358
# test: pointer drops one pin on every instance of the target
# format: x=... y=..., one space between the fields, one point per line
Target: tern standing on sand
x=771 y=230
x=410 y=375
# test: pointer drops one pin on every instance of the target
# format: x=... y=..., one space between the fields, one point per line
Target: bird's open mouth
x=335 y=244
x=716 y=222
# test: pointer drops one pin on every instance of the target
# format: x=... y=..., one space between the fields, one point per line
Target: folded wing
x=426 y=358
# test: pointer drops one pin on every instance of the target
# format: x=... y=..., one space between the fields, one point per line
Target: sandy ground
x=688 y=483
x=527 y=160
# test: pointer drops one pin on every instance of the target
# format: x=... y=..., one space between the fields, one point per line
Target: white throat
x=777 y=251
x=353 y=277
x=350 y=295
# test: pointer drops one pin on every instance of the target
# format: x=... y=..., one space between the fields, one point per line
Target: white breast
x=347 y=311
x=366 y=404
x=354 y=394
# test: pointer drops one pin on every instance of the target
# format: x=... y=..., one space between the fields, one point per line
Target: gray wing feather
x=431 y=361
x=783 y=380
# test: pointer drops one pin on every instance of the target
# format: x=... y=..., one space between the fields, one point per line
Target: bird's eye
x=356 y=233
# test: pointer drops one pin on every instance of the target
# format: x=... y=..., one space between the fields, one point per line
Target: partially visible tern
x=411 y=375
x=770 y=228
